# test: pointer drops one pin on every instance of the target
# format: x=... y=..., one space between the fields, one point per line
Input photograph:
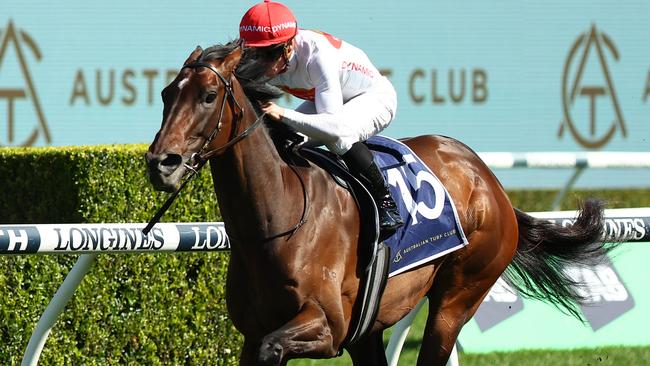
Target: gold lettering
x=417 y=73
x=435 y=98
x=126 y=82
x=457 y=98
x=479 y=86
x=386 y=72
x=150 y=74
x=111 y=87
x=171 y=75
x=79 y=89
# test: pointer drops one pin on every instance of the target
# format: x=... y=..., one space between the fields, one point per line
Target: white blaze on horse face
x=180 y=86
x=182 y=83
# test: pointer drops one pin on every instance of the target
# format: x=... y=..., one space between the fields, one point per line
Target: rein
x=198 y=160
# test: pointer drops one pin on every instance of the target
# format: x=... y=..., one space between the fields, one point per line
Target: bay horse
x=294 y=270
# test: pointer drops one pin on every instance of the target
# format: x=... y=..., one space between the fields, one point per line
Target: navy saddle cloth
x=431 y=225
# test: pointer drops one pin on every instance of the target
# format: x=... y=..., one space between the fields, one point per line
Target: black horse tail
x=545 y=250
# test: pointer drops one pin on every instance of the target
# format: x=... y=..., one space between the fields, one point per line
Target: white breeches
x=360 y=118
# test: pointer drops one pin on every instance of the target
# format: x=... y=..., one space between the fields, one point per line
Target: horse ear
x=232 y=60
x=198 y=51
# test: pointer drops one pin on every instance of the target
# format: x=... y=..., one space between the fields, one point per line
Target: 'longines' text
x=105 y=239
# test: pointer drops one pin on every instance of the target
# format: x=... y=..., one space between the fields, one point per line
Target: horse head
x=199 y=110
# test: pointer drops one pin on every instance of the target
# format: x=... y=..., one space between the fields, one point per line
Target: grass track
x=618 y=356
x=609 y=356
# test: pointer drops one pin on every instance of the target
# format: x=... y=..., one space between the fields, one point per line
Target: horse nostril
x=171 y=161
x=164 y=164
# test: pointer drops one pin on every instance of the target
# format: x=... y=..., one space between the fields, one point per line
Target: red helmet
x=266 y=24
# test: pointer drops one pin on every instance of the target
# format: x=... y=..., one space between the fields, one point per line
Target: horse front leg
x=308 y=334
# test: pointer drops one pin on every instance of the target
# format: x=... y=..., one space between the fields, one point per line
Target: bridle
x=200 y=158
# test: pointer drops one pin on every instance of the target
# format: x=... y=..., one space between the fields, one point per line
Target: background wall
x=498 y=75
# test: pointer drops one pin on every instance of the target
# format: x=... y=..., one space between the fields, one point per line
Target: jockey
x=346 y=99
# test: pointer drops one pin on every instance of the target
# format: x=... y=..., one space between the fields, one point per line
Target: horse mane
x=249 y=72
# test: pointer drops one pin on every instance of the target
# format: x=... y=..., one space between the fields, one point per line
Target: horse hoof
x=270 y=354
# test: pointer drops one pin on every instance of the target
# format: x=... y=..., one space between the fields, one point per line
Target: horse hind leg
x=456 y=294
x=440 y=334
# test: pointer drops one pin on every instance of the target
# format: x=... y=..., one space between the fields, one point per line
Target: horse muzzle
x=166 y=170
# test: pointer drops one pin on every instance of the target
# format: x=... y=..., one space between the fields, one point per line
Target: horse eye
x=210 y=98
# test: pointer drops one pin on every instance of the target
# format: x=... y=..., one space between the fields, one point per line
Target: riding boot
x=361 y=164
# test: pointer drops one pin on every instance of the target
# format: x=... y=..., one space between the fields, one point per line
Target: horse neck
x=249 y=180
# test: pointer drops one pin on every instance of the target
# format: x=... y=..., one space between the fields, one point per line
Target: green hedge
x=541 y=200
x=132 y=309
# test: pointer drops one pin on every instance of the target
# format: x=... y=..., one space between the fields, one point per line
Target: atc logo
x=19 y=94
x=591 y=109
